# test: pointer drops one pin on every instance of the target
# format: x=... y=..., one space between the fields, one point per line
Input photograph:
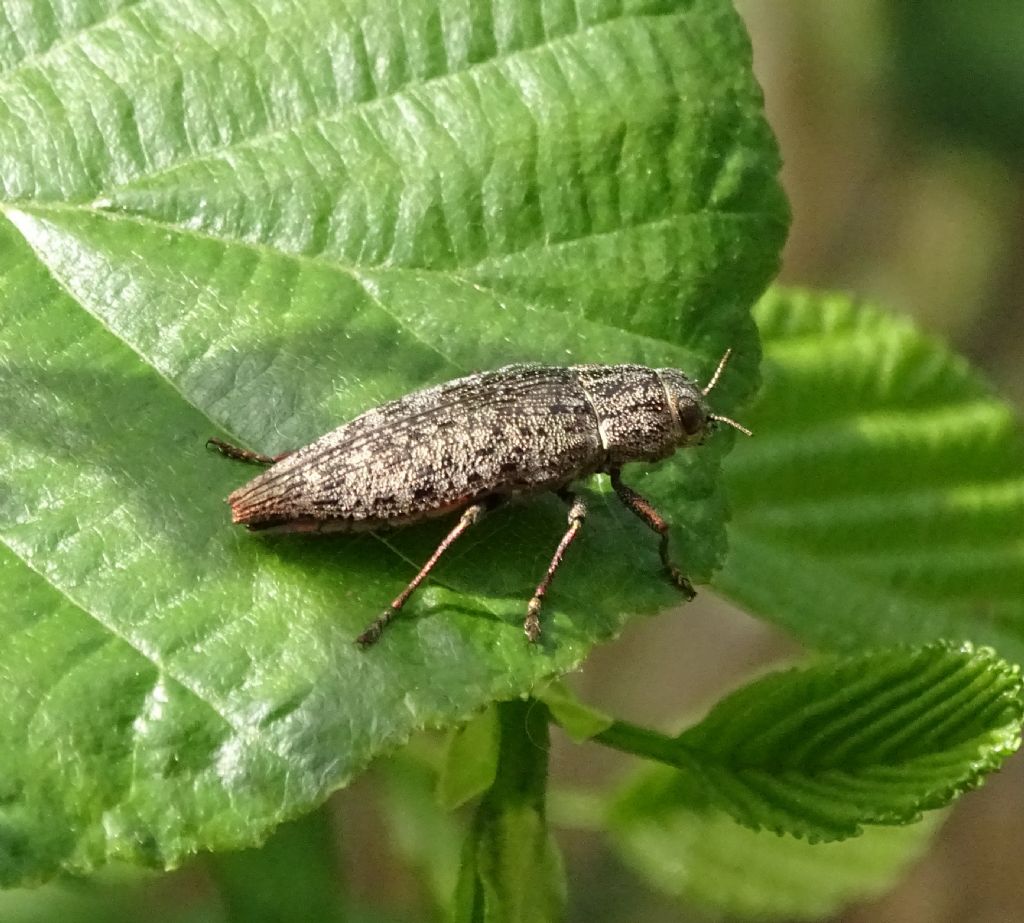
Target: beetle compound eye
x=692 y=418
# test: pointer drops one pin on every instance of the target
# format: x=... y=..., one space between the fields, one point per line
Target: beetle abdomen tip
x=243 y=510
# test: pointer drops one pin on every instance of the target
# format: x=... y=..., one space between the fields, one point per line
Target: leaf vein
x=352 y=107
x=43 y=54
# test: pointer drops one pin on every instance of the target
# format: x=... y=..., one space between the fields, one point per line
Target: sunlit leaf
x=882 y=498
x=820 y=752
x=258 y=218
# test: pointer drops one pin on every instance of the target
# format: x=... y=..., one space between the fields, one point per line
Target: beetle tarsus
x=531 y=626
x=246 y=455
x=681 y=581
x=376 y=628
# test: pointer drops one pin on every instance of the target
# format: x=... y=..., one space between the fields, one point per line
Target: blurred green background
x=901 y=128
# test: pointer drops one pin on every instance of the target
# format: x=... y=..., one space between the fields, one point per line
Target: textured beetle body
x=470 y=443
x=522 y=429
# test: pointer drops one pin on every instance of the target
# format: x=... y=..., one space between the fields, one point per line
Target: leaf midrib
x=360 y=276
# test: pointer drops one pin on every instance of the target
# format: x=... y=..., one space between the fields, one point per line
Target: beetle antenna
x=732 y=423
x=718 y=373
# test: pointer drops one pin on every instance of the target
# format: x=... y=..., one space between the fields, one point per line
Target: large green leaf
x=882 y=498
x=261 y=218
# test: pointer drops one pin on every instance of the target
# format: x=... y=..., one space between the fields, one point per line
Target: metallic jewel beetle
x=470 y=444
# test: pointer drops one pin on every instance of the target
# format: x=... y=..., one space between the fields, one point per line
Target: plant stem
x=511 y=871
x=641 y=741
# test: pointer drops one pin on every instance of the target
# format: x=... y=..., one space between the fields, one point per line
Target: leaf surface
x=710 y=861
x=882 y=498
x=259 y=219
x=822 y=751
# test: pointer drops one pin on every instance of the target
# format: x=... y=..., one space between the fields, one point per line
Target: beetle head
x=695 y=417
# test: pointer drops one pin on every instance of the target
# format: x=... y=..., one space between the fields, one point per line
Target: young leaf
x=470 y=761
x=882 y=499
x=821 y=751
x=579 y=720
x=264 y=218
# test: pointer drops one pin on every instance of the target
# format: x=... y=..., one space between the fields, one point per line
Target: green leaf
x=428 y=838
x=709 y=861
x=579 y=720
x=511 y=868
x=470 y=761
x=292 y=878
x=261 y=218
x=882 y=498
x=821 y=751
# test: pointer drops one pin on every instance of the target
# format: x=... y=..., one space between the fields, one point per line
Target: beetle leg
x=246 y=455
x=643 y=509
x=470 y=517
x=577 y=513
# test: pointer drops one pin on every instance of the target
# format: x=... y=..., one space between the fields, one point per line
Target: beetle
x=472 y=443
